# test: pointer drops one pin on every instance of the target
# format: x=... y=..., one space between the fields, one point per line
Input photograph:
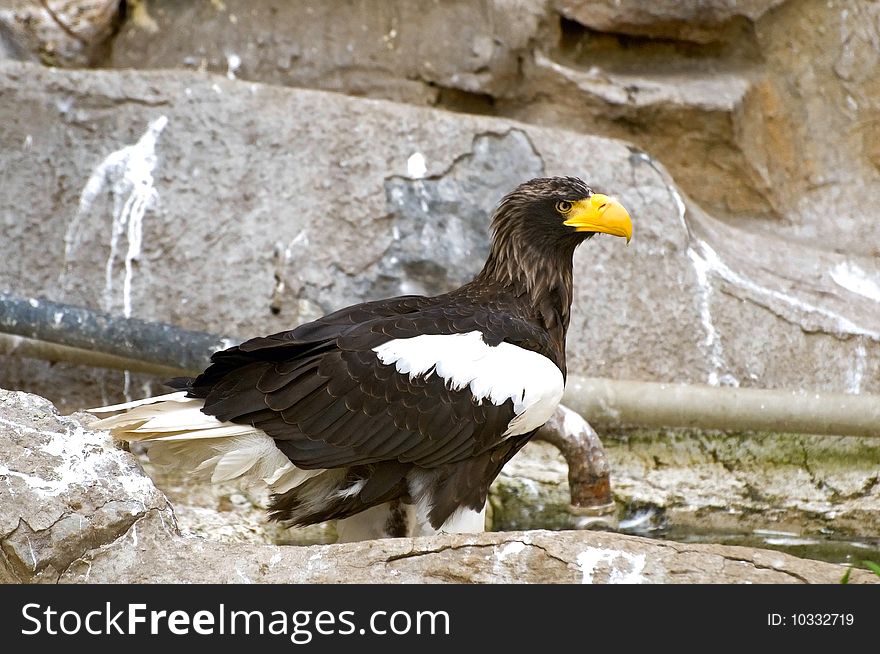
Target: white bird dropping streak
x=718 y=267
x=857 y=373
x=233 y=63
x=706 y=262
x=713 y=340
x=128 y=173
x=416 y=167
x=855 y=280
x=701 y=269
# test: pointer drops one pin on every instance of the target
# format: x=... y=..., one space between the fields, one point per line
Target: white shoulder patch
x=495 y=373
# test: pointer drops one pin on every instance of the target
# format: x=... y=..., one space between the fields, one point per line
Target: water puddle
x=830 y=547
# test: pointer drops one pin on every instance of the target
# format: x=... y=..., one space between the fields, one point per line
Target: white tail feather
x=170 y=397
x=178 y=434
x=290 y=477
x=226 y=431
x=189 y=416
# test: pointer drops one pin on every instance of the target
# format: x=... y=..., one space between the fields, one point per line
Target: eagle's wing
x=420 y=387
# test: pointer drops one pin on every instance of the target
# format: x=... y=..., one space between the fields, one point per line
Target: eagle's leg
x=588 y=469
x=397 y=519
x=389 y=520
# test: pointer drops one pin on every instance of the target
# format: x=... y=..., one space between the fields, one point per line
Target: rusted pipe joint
x=589 y=475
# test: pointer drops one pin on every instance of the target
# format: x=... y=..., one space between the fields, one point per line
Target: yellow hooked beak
x=599 y=213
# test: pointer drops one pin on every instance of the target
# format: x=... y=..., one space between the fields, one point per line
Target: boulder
x=66 y=490
x=359 y=48
x=238 y=208
x=78 y=509
x=701 y=21
x=763 y=112
x=544 y=557
x=551 y=63
x=70 y=33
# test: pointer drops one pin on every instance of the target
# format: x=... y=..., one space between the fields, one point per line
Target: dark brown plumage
x=351 y=393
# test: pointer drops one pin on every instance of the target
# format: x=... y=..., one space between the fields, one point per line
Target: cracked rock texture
x=76 y=508
x=66 y=492
x=515 y=557
x=241 y=208
x=764 y=111
x=58 y=33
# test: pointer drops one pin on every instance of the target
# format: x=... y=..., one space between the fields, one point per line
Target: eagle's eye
x=563 y=206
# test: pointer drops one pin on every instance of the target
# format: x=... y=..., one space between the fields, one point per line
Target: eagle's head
x=535 y=231
x=558 y=213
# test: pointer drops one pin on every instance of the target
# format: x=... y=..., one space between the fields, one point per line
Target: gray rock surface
x=809 y=487
x=360 y=47
x=702 y=21
x=77 y=509
x=65 y=490
x=68 y=33
x=515 y=557
x=215 y=205
x=763 y=110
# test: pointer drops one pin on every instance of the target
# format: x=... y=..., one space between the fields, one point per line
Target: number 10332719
x=810 y=620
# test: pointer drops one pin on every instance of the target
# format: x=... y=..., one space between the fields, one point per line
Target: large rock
x=702 y=21
x=811 y=127
x=539 y=61
x=216 y=205
x=78 y=509
x=763 y=110
x=69 y=33
x=514 y=557
x=66 y=491
x=361 y=47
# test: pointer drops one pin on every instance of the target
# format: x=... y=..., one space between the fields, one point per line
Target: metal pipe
x=28 y=347
x=604 y=402
x=130 y=338
x=613 y=403
x=589 y=474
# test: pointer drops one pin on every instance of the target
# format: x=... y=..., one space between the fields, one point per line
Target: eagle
x=394 y=416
